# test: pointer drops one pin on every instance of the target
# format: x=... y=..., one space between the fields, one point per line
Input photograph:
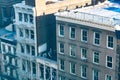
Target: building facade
x=9 y=59
x=7 y=11
x=87 y=46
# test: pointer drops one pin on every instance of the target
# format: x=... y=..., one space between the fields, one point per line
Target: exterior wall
x=9 y=12
x=104 y=51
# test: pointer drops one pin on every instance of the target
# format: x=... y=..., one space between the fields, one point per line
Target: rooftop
x=107 y=13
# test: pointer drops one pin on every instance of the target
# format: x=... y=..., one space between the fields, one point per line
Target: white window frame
x=60 y=68
x=84 y=72
x=71 y=33
x=106 y=76
x=94 y=74
x=83 y=57
x=94 y=57
x=63 y=48
x=110 y=62
x=85 y=36
x=59 y=30
x=71 y=68
x=96 y=38
x=107 y=42
x=71 y=48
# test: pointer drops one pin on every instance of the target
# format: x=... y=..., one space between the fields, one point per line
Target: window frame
x=72 y=68
x=109 y=62
x=82 y=36
x=83 y=57
x=94 y=57
x=72 y=50
x=82 y=71
x=94 y=39
x=70 y=33
x=109 y=47
x=61 y=65
x=94 y=77
x=61 y=32
x=63 y=49
x=108 y=76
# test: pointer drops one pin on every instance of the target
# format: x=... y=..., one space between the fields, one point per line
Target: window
x=3 y=47
x=108 y=77
x=72 y=33
x=9 y=49
x=83 y=53
x=110 y=42
x=31 y=18
x=95 y=74
x=96 y=38
x=33 y=68
x=28 y=49
x=27 y=33
x=25 y=17
x=32 y=34
x=61 y=30
x=61 y=47
x=84 y=35
x=33 y=51
x=72 y=50
x=83 y=71
x=20 y=16
x=4 y=12
x=61 y=64
x=21 y=32
x=72 y=68
x=109 y=61
x=22 y=48
x=61 y=78
x=23 y=65
x=96 y=57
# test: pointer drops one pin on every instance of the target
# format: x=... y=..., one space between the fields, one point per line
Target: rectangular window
x=83 y=71
x=33 y=51
x=32 y=34
x=9 y=49
x=72 y=68
x=83 y=53
x=23 y=65
x=61 y=47
x=31 y=18
x=110 y=42
x=3 y=48
x=28 y=49
x=33 y=68
x=108 y=77
x=95 y=74
x=84 y=35
x=20 y=32
x=61 y=30
x=4 y=12
x=96 y=57
x=20 y=16
x=72 y=50
x=27 y=33
x=72 y=33
x=109 y=61
x=22 y=48
x=25 y=17
x=61 y=64
x=96 y=38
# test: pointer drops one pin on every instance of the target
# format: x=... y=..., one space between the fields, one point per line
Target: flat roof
x=105 y=13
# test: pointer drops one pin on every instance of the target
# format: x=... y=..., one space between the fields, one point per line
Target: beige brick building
x=87 y=46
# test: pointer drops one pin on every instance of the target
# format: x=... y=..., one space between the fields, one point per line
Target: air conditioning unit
x=84 y=59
